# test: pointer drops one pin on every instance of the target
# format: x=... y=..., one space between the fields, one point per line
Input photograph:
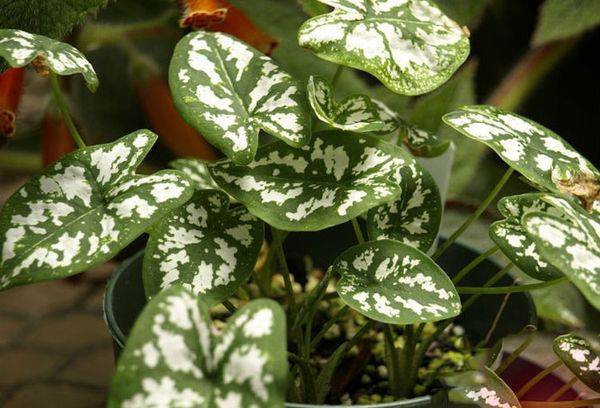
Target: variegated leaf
x=83 y=210
x=415 y=217
x=392 y=282
x=512 y=238
x=20 y=48
x=422 y=142
x=229 y=91
x=355 y=113
x=482 y=388
x=542 y=156
x=572 y=247
x=409 y=45
x=580 y=357
x=197 y=171
x=174 y=357
x=205 y=245
x=336 y=178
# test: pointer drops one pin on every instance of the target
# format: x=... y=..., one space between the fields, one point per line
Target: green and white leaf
x=415 y=217
x=482 y=388
x=392 y=282
x=175 y=358
x=197 y=171
x=422 y=142
x=562 y=304
x=336 y=178
x=512 y=238
x=206 y=246
x=580 y=357
x=20 y=48
x=542 y=156
x=229 y=91
x=565 y=18
x=83 y=210
x=355 y=113
x=409 y=45
x=572 y=247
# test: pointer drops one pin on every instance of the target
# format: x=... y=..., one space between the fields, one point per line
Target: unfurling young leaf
x=355 y=113
x=392 y=282
x=482 y=388
x=570 y=242
x=83 y=210
x=542 y=156
x=514 y=241
x=414 y=218
x=197 y=171
x=580 y=357
x=229 y=92
x=206 y=246
x=174 y=358
x=336 y=178
x=409 y=45
x=20 y=48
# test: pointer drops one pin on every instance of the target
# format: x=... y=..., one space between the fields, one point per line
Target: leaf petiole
x=61 y=102
x=500 y=290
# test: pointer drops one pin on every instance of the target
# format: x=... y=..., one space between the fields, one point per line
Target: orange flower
x=156 y=101
x=11 y=86
x=219 y=15
x=56 y=138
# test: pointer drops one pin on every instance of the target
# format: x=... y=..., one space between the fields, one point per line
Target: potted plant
x=228 y=322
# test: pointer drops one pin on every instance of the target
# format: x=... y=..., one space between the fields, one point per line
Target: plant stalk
x=336 y=317
x=473 y=264
x=473 y=217
x=500 y=290
x=393 y=361
x=492 y=328
x=357 y=231
x=287 y=278
x=560 y=404
x=562 y=389
x=61 y=102
x=537 y=378
x=518 y=351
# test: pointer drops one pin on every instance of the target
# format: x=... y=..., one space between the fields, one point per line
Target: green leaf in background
x=355 y=113
x=542 y=156
x=174 y=358
x=562 y=304
x=415 y=217
x=512 y=238
x=197 y=171
x=83 y=210
x=580 y=357
x=572 y=247
x=464 y=12
x=565 y=18
x=52 y=18
x=205 y=245
x=229 y=91
x=20 y=48
x=481 y=388
x=410 y=46
x=314 y=7
x=336 y=178
x=392 y=282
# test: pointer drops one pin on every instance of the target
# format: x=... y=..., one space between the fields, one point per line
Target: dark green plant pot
x=124 y=297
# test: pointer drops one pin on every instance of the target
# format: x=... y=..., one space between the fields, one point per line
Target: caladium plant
x=227 y=322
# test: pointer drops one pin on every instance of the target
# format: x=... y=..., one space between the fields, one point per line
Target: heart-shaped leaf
x=174 y=358
x=415 y=217
x=338 y=177
x=542 y=156
x=20 y=48
x=580 y=357
x=409 y=45
x=197 y=171
x=206 y=246
x=356 y=113
x=83 y=210
x=572 y=247
x=482 y=388
x=512 y=238
x=228 y=91
x=392 y=282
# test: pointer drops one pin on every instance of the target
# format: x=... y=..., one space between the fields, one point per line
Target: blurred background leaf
x=561 y=19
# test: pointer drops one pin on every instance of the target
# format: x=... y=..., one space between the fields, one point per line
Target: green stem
x=560 y=404
x=307 y=376
x=562 y=389
x=500 y=290
x=492 y=328
x=325 y=328
x=408 y=381
x=278 y=242
x=336 y=76
x=537 y=378
x=61 y=102
x=357 y=231
x=489 y=283
x=471 y=265
x=473 y=217
x=394 y=362
x=518 y=351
